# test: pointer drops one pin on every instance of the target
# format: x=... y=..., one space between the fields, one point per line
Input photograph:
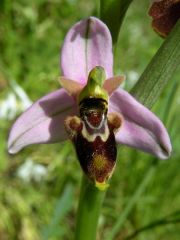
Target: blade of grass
x=158 y=223
x=62 y=207
x=160 y=70
x=120 y=221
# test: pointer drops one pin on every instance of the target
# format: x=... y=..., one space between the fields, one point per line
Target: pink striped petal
x=141 y=128
x=43 y=122
x=87 y=44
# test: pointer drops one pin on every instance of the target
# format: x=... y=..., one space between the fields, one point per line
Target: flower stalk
x=90 y=203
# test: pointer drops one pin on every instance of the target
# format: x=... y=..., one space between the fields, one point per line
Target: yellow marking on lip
x=99 y=161
x=101 y=186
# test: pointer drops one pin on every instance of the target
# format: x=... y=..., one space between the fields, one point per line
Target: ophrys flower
x=97 y=109
x=165 y=14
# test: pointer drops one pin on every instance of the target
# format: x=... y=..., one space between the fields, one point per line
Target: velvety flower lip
x=88 y=44
x=165 y=14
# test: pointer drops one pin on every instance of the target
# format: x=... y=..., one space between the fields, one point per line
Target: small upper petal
x=111 y=84
x=141 y=128
x=43 y=122
x=87 y=44
x=71 y=86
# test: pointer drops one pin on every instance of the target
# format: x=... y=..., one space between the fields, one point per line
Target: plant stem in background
x=112 y=12
x=160 y=70
x=90 y=203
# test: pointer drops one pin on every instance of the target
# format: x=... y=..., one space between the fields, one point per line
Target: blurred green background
x=40 y=186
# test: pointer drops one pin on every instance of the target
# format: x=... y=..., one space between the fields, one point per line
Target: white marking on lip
x=91 y=137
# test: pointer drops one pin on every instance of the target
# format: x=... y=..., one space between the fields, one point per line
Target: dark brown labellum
x=94 y=139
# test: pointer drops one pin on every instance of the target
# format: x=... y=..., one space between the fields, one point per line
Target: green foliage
x=160 y=70
x=30 y=36
x=63 y=206
x=112 y=12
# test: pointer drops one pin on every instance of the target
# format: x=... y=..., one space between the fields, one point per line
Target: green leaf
x=160 y=70
x=62 y=207
x=112 y=12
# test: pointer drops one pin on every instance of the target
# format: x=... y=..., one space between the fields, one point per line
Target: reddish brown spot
x=94 y=118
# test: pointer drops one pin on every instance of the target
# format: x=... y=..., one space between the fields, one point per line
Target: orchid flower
x=87 y=69
x=165 y=14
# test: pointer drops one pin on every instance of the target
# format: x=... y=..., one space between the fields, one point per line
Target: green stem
x=90 y=203
x=133 y=200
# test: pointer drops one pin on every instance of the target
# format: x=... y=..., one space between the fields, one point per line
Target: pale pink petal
x=87 y=44
x=141 y=128
x=43 y=122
